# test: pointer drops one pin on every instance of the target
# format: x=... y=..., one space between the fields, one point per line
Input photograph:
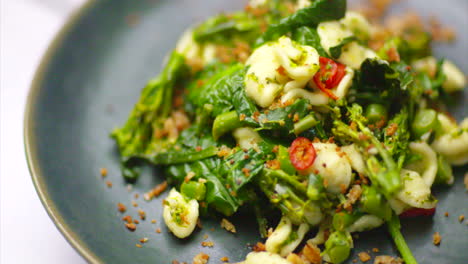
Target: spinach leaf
x=309 y=36
x=225 y=91
x=318 y=11
x=282 y=119
x=137 y=137
x=223 y=29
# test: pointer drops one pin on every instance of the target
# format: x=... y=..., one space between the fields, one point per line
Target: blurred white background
x=27 y=235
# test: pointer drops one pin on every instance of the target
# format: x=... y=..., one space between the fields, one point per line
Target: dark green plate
x=88 y=82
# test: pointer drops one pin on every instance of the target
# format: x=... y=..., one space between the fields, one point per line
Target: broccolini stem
x=394 y=229
x=177 y=157
x=281 y=175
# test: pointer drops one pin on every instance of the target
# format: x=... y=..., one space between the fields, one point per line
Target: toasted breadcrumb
x=136 y=221
x=259 y=247
x=158 y=231
x=127 y=219
x=224 y=259
x=156 y=191
x=136 y=196
x=153 y=221
x=294 y=259
x=103 y=172
x=375 y=250
x=364 y=257
x=387 y=260
x=131 y=226
x=121 y=207
x=201 y=258
x=134 y=204
x=461 y=218
x=144 y=240
x=189 y=176
x=138 y=245
x=142 y=214
x=312 y=253
x=228 y=225
x=436 y=238
x=207 y=243
x=109 y=184
x=205 y=236
x=175 y=262
x=446 y=214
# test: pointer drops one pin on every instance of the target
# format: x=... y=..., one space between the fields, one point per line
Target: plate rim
x=30 y=143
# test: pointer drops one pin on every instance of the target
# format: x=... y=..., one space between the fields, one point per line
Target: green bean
x=425 y=121
x=285 y=162
x=224 y=123
x=375 y=113
x=193 y=190
x=304 y=124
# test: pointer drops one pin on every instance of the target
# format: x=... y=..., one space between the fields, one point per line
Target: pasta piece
x=453 y=145
x=180 y=215
x=264 y=257
x=281 y=234
x=355 y=158
x=358 y=24
x=427 y=167
x=279 y=65
x=415 y=191
x=286 y=237
x=365 y=223
x=319 y=237
x=246 y=137
x=455 y=80
x=333 y=167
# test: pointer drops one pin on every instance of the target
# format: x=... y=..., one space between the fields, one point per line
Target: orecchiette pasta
x=455 y=79
x=264 y=258
x=365 y=222
x=333 y=167
x=453 y=145
x=264 y=81
x=415 y=191
x=427 y=166
x=286 y=237
x=180 y=215
x=246 y=137
x=355 y=158
x=194 y=51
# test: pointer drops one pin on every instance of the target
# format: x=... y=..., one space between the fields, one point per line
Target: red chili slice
x=329 y=76
x=302 y=153
x=414 y=212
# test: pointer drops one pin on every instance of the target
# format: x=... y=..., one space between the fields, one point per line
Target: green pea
x=338 y=246
x=375 y=113
x=373 y=202
x=193 y=190
x=425 y=121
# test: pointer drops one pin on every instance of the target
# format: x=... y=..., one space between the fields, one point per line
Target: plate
x=86 y=85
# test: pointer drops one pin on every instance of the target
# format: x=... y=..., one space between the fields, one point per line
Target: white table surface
x=26 y=231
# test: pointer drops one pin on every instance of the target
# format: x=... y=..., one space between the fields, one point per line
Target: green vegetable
x=223 y=29
x=224 y=123
x=193 y=190
x=304 y=124
x=376 y=113
x=425 y=121
x=444 y=171
x=285 y=162
x=342 y=220
x=309 y=36
x=393 y=227
x=373 y=202
x=318 y=11
x=384 y=172
x=137 y=136
x=338 y=246
x=315 y=188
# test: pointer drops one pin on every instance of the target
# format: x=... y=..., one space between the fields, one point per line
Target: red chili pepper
x=329 y=76
x=414 y=212
x=302 y=153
